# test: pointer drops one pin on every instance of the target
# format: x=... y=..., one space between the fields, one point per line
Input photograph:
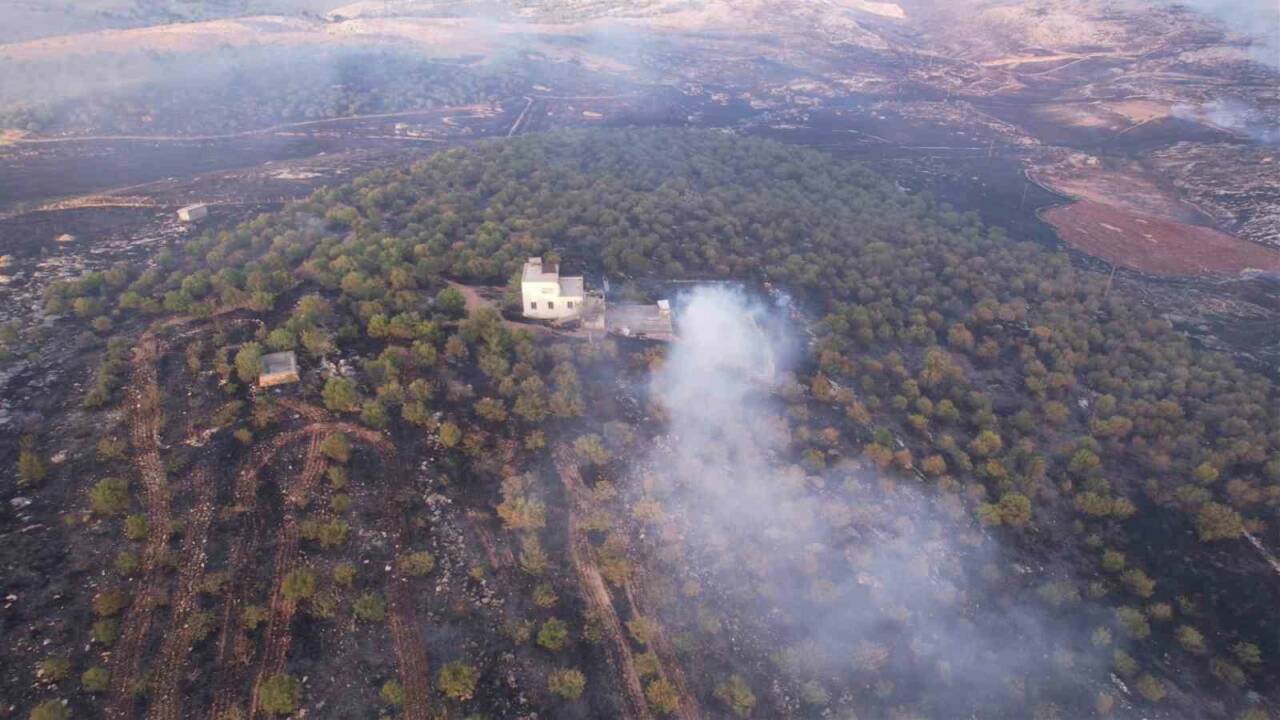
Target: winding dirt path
x=596 y=592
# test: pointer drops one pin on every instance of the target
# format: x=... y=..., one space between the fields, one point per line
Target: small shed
x=278 y=369
x=193 y=213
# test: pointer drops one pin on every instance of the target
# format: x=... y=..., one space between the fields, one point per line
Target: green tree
x=451 y=302
x=51 y=710
x=457 y=680
x=280 y=694
x=392 y=693
x=553 y=635
x=95 y=680
x=567 y=683
x=31 y=467
x=53 y=669
x=662 y=696
x=340 y=395
x=736 y=693
x=1218 y=522
x=1015 y=509
x=450 y=435
x=417 y=564
x=136 y=527
x=370 y=607
x=299 y=584
x=109 y=496
x=336 y=447
x=249 y=362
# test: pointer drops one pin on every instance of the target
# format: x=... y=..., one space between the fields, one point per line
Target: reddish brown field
x=1156 y=245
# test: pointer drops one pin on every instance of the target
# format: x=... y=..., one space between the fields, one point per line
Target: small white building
x=547 y=296
x=193 y=213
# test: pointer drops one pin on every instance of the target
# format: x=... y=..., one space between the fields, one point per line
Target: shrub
x=95 y=680
x=106 y=630
x=337 y=448
x=457 y=680
x=417 y=564
x=662 y=696
x=1139 y=582
x=544 y=596
x=340 y=395
x=370 y=607
x=126 y=562
x=1124 y=663
x=1015 y=509
x=1218 y=522
x=553 y=635
x=53 y=669
x=344 y=574
x=392 y=693
x=249 y=362
x=1133 y=622
x=567 y=683
x=31 y=467
x=1228 y=672
x=253 y=616
x=736 y=693
x=109 y=602
x=1247 y=653
x=1151 y=688
x=50 y=710
x=1190 y=638
x=299 y=584
x=329 y=534
x=109 y=496
x=450 y=435
x=136 y=527
x=451 y=302
x=280 y=694
x=642 y=629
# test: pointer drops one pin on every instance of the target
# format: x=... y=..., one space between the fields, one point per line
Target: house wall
x=543 y=301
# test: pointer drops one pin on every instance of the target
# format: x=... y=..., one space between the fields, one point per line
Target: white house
x=547 y=296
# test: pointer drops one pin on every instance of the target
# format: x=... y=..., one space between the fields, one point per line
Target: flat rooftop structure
x=652 y=322
x=536 y=271
x=193 y=213
x=279 y=369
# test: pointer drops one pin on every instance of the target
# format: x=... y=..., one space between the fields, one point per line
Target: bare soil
x=1156 y=245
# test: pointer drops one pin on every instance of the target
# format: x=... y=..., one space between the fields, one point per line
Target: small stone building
x=547 y=296
x=278 y=369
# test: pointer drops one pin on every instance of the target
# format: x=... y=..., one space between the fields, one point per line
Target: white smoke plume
x=865 y=576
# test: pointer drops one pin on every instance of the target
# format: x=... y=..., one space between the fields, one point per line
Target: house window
x=551 y=305
x=533 y=305
x=570 y=304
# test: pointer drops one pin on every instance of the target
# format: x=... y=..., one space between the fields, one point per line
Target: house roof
x=281 y=362
x=535 y=271
x=572 y=287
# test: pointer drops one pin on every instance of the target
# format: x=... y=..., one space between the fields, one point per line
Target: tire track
x=145 y=417
x=175 y=649
x=278 y=638
x=661 y=644
x=596 y=592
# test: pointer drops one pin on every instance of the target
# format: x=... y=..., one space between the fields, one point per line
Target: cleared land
x=1156 y=245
